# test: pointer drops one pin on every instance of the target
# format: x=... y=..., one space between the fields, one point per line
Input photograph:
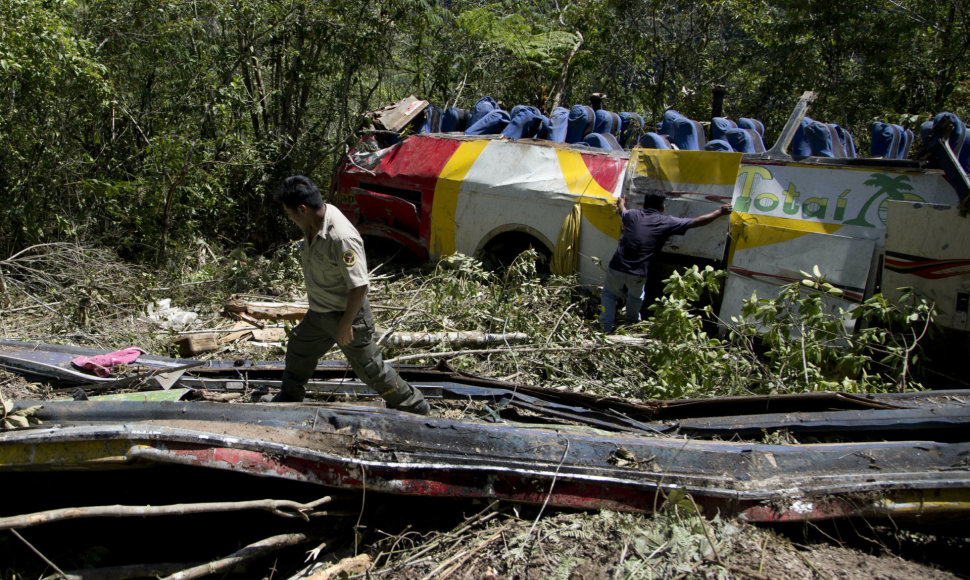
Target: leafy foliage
x=795 y=342
x=810 y=344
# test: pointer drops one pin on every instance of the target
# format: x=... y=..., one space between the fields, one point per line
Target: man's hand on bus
x=620 y=204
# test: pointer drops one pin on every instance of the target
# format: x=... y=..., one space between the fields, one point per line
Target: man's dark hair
x=298 y=190
x=654 y=201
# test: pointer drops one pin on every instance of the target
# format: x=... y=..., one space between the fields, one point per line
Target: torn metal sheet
x=335 y=379
x=936 y=423
x=353 y=447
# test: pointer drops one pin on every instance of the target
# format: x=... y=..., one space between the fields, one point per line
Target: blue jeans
x=613 y=289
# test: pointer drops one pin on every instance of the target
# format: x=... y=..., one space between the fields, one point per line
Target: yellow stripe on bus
x=598 y=206
x=697 y=167
x=752 y=231
x=446 y=191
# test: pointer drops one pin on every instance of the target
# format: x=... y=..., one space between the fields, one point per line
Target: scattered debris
x=167 y=316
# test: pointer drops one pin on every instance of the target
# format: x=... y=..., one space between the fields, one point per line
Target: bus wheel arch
x=503 y=244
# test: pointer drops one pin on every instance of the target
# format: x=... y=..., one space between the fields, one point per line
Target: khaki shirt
x=333 y=263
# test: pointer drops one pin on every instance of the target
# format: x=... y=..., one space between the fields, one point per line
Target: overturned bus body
x=868 y=224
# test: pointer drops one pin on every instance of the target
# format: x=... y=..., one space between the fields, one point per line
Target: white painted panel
x=844 y=262
x=928 y=249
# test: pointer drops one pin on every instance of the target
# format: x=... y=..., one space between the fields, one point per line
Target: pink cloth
x=101 y=364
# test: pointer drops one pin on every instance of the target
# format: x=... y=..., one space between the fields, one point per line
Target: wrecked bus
x=869 y=224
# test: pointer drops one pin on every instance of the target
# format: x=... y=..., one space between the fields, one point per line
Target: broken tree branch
x=280 y=507
x=250 y=552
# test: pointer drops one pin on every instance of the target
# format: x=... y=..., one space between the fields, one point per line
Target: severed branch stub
x=345 y=567
x=280 y=507
x=250 y=552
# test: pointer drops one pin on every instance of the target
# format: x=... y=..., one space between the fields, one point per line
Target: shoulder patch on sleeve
x=350 y=258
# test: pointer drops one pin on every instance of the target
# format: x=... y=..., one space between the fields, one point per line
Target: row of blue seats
x=818 y=139
x=582 y=125
x=578 y=125
x=889 y=140
x=677 y=131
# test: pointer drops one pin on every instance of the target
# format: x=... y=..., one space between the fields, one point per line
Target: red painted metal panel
x=412 y=165
x=387 y=209
x=607 y=170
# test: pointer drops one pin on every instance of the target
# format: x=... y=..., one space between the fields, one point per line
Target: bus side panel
x=790 y=217
x=532 y=189
x=928 y=249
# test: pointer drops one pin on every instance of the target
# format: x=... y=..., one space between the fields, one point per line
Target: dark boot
x=286 y=395
x=406 y=398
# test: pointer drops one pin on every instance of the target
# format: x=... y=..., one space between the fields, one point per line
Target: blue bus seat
x=885 y=140
x=838 y=147
x=654 y=140
x=800 y=146
x=753 y=124
x=431 y=120
x=719 y=127
x=718 y=145
x=745 y=140
x=454 y=119
x=606 y=122
x=689 y=134
x=602 y=141
x=483 y=106
x=845 y=138
x=524 y=122
x=905 y=142
x=581 y=120
x=492 y=123
x=558 y=123
x=667 y=125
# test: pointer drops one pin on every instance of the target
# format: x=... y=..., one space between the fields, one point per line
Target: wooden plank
x=192 y=344
x=265 y=310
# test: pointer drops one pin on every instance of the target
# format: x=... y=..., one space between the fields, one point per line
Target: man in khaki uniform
x=335 y=272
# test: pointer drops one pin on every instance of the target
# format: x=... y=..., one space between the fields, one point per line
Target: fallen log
x=248 y=310
x=461 y=338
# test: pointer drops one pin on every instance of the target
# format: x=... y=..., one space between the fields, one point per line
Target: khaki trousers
x=317 y=333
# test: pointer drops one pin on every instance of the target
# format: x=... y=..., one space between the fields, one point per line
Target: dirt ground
x=611 y=545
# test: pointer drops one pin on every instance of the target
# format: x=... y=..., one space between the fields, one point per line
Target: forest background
x=145 y=126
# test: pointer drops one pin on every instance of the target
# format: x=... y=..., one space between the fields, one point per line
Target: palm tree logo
x=896 y=188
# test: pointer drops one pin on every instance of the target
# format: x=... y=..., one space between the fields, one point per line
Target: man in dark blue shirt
x=644 y=233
